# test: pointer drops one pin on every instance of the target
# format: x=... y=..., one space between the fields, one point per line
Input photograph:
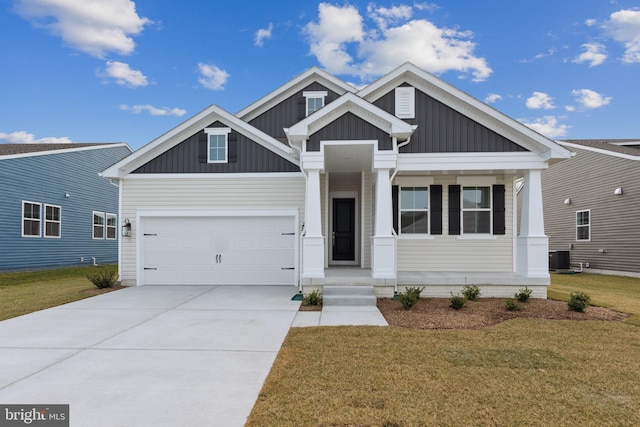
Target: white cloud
x=570 y=108
x=547 y=126
x=590 y=22
x=154 y=111
x=590 y=99
x=22 y=137
x=624 y=27
x=492 y=97
x=92 y=26
x=340 y=43
x=124 y=75
x=540 y=100
x=594 y=54
x=263 y=34
x=212 y=77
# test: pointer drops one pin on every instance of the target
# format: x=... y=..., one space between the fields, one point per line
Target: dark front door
x=344 y=230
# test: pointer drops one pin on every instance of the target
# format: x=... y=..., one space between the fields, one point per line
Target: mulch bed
x=96 y=291
x=435 y=313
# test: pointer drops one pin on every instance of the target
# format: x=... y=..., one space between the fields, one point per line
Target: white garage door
x=218 y=250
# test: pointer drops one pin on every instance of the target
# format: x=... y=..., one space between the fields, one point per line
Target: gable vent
x=405 y=102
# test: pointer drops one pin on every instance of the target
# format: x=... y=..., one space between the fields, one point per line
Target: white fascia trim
x=463 y=162
x=65 y=150
x=356 y=105
x=218 y=212
x=599 y=150
x=466 y=105
x=296 y=84
x=189 y=127
x=233 y=176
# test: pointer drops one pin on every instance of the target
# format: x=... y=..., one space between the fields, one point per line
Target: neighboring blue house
x=55 y=210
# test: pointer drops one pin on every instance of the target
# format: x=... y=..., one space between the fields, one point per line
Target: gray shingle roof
x=609 y=145
x=11 y=149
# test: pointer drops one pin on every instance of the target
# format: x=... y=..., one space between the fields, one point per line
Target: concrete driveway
x=150 y=355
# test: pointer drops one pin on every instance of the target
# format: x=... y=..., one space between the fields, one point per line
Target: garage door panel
x=219 y=250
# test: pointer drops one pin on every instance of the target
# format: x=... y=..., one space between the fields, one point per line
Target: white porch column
x=313 y=241
x=383 y=264
x=532 y=259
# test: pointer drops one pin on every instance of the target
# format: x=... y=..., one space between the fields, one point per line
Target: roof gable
x=187 y=129
x=468 y=106
x=351 y=103
x=313 y=74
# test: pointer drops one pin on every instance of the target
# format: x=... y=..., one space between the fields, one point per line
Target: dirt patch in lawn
x=435 y=313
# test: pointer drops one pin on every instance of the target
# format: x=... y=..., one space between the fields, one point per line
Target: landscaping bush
x=523 y=295
x=103 y=278
x=579 y=301
x=456 y=301
x=409 y=297
x=471 y=292
x=512 y=305
x=313 y=298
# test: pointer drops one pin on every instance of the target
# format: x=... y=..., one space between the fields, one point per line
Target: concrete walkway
x=156 y=355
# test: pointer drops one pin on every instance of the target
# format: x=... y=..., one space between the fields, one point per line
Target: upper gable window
x=315 y=101
x=218 y=145
x=406 y=102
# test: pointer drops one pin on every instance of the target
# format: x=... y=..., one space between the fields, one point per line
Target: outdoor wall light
x=567 y=201
x=617 y=191
x=126 y=228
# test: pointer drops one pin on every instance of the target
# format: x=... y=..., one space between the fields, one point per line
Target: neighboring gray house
x=592 y=205
x=56 y=209
x=406 y=182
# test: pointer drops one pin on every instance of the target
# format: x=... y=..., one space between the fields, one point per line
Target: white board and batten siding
x=240 y=210
x=443 y=253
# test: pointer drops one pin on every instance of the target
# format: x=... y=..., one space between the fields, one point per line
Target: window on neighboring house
x=583 y=225
x=98 y=225
x=217 y=149
x=112 y=226
x=405 y=102
x=314 y=101
x=476 y=210
x=52 y=221
x=31 y=219
x=414 y=210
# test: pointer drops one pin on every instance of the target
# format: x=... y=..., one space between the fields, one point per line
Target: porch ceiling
x=348 y=158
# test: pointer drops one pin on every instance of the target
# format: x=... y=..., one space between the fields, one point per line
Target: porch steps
x=361 y=296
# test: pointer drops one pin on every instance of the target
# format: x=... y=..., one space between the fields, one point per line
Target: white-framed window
x=405 y=102
x=476 y=210
x=414 y=210
x=98 y=225
x=31 y=219
x=217 y=145
x=583 y=225
x=315 y=100
x=52 y=221
x=112 y=226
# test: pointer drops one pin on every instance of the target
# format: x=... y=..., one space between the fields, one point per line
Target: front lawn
x=26 y=292
x=525 y=372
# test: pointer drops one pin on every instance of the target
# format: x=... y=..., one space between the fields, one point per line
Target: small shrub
x=579 y=301
x=103 y=278
x=512 y=305
x=456 y=301
x=312 y=298
x=414 y=291
x=471 y=292
x=523 y=295
x=407 y=300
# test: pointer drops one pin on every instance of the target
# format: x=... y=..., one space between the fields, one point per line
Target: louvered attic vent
x=405 y=102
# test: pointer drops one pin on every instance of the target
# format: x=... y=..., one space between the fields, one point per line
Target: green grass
x=519 y=373
x=26 y=292
x=614 y=292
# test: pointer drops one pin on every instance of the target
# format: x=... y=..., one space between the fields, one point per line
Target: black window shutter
x=302 y=108
x=233 y=147
x=498 y=209
x=436 y=208
x=394 y=204
x=203 y=146
x=454 y=210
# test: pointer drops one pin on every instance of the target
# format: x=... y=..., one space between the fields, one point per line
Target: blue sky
x=129 y=71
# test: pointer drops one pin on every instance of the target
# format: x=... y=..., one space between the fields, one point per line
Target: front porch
x=438 y=284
